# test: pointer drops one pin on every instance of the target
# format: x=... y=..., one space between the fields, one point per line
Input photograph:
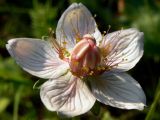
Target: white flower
x=79 y=54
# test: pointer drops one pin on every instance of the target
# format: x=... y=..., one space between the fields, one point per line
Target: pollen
x=103 y=68
x=104 y=32
x=75 y=63
x=85 y=69
x=77 y=38
x=64 y=42
x=105 y=50
x=98 y=68
x=91 y=73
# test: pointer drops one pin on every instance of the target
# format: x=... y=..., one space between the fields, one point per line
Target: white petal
x=97 y=35
x=75 y=22
x=119 y=90
x=125 y=48
x=67 y=95
x=36 y=57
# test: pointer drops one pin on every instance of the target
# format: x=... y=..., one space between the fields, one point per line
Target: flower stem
x=154 y=104
x=16 y=103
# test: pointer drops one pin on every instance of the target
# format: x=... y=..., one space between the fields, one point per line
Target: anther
x=95 y=15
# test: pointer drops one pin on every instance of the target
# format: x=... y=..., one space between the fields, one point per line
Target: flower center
x=85 y=57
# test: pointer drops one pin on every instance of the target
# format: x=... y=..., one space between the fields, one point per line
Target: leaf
x=96 y=108
x=4 y=102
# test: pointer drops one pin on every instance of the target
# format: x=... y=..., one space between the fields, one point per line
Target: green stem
x=154 y=104
x=146 y=4
x=16 y=103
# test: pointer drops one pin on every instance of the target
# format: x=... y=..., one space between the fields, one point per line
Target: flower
x=83 y=65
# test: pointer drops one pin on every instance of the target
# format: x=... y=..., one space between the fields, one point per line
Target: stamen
x=91 y=73
x=102 y=42
x=86 y=69
x=64 y=37
x=74 y=15
x=114 y=51
x=111 y=52
x=64 y=44
x=109 y=27
x=44 y=37
x=60 y=48
x=104 y=33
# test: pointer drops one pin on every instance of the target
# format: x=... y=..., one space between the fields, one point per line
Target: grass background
x=32 y=18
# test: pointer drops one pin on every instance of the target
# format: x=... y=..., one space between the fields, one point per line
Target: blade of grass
x=16 y=103
x=154 y=104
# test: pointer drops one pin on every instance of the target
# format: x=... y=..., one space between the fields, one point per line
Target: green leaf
x=96 y=108
x=4 y=102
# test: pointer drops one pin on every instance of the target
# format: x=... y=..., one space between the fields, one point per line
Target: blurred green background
x=32 y=18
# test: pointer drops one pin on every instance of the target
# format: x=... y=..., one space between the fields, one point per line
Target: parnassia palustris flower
x=83 y=65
